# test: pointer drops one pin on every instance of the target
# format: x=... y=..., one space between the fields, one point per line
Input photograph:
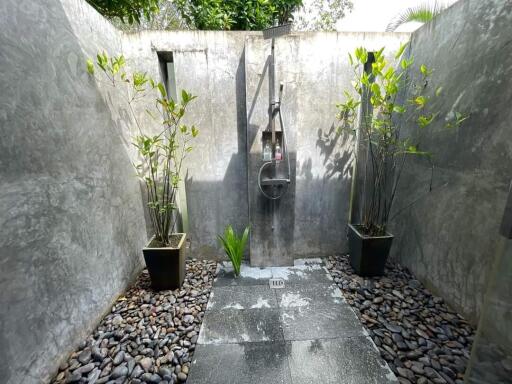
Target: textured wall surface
x=492 y=351
x=310 y=219
x=210 y=65
x=70 y=206
x=448 y=237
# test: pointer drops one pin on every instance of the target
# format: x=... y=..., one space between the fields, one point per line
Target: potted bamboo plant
x=159 y=165
x=383 y=99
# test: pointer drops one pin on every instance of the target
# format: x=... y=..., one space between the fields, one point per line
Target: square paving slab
x=352 y=360
x=237 y=326
x=243 y=297
x=247 y=363
x=300 y=334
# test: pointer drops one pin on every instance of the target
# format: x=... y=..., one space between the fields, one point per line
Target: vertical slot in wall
x=166 y=60
x=168 y=75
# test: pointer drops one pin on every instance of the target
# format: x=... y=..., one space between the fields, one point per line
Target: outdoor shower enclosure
x=68 y=192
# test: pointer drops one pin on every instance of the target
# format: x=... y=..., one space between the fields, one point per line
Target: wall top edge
x=257 y=34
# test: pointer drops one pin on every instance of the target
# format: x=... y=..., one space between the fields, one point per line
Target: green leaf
x=375 y=89
x=90 y=67
x=406 y=63
x=401 y=50
x=421 y=13
x=398 y=109
x=425 y=71
x=361 y=55
x=420 y=101
x=425 y=120
x=161 y=88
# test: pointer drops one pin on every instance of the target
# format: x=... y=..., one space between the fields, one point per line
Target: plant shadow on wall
x=337 y=159
x=160 y=162
x=218 y=171
x=384 y=101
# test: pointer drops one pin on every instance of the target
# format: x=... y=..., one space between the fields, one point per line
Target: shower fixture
x=275 y=146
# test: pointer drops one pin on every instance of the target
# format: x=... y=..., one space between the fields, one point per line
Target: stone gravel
x=148 y=337
x=421 y=338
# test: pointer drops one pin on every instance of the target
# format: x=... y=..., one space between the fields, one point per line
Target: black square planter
x=166 y=265
x=368 y=255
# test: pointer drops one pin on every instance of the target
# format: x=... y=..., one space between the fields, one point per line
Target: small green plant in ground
x=234 y=246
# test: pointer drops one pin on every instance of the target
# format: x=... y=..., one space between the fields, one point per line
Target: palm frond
x=422 y=13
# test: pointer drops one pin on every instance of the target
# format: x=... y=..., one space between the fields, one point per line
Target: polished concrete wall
x=70 y=207
x=447 y=237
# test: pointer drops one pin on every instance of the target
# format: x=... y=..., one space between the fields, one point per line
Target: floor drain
x=276 y=283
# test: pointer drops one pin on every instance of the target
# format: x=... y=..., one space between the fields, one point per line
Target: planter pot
x=368 y=254
x=166 y=265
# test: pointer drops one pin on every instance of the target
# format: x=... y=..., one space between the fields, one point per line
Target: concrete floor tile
x=242 y=297
x=337 y=361
x=247 y=363
x=238 y=326
x=318 y=322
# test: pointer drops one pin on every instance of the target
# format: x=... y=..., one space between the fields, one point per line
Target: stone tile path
x=304 y=333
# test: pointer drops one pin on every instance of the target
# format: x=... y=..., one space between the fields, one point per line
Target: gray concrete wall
x=310 y=219
x=210 y=65
x=448 y=237
x=492 y=350
x=226 y=71
x=70 y=206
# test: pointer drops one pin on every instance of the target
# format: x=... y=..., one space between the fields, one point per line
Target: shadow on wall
x=226 y=200
x=323 y=201
x=338 y=163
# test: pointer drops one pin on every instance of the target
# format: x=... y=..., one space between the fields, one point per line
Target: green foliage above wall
x=129 y=11
x=236 y=14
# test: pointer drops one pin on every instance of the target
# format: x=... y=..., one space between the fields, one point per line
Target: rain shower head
x=277 y=31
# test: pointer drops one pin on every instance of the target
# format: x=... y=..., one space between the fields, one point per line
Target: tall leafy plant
x=160 y=154
x=234 y=246
x=386 y=98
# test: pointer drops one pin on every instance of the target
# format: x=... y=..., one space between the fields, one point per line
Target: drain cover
x=276 y=283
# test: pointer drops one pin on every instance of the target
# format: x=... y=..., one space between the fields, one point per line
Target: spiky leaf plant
x=422 y=13
x=234 y=246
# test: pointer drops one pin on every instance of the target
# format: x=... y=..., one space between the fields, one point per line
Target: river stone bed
x=149 y=336
x=422 y=340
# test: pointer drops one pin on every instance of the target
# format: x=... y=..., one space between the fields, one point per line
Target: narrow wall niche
x=166 y=61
